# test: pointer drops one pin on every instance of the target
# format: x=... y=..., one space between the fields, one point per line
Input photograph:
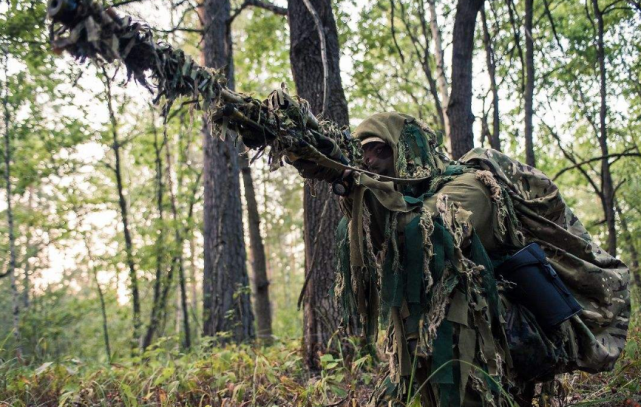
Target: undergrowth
x=252 y=375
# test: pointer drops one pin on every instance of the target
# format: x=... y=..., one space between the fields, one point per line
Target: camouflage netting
x=283 y=123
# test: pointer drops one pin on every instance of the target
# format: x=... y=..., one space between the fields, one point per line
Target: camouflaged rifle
x=282 y=122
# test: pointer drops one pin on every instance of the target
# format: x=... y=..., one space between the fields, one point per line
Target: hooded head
x=414 y=145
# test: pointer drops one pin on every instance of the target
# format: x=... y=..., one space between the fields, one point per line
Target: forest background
x=144 y=263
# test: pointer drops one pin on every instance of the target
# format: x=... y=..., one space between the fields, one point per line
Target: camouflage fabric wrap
x=597 y=280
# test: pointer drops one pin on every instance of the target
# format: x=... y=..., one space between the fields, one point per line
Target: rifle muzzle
x=63 y=11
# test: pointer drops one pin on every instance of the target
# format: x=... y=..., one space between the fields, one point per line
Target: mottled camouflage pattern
x=598 y=281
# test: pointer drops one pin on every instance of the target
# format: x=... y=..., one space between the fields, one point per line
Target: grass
x=246 y=375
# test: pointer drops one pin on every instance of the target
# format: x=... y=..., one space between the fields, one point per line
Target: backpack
x=599 y=281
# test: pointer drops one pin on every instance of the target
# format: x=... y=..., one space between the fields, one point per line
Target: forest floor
x=245 y=375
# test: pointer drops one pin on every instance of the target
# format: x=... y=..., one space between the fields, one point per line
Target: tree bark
x=607 y=187
x=529 y=84
x=226 y=299
x=459 y=109
x=495 y=140
x=122 y=202
x=12 y=238
x=262 y=305
x=321 y=315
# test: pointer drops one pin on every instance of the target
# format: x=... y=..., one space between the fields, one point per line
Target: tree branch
x=584 y=162
x=635 y=4
x=265 y=5
x=183 y=29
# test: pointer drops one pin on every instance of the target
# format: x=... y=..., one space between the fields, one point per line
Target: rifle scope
x=64 y=11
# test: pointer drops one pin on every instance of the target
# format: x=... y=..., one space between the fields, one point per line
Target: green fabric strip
x=443 y=353
x=346 y=295
x=413 y=261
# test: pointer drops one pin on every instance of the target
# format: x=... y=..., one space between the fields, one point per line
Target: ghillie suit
x=419 y=258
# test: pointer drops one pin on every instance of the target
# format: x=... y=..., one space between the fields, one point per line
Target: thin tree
x=459 y=109
x=156 y=307
x=116 y=146
x=101 y=297
x=529 y=84
x=11 y=271
x=607 y=185
x=490 y=60
x=179 y=237
x=262 y=305
x=439 y=56
x=314 y=56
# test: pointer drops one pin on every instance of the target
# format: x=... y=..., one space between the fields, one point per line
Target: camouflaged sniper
x=419 y=259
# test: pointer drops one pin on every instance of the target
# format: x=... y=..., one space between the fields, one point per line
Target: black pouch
x=538 y=287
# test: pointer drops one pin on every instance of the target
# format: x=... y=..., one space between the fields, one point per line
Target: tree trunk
x=632 y=249
x=101 y=297
x=529 y=84
x=160 y=243
x=12 y=238
x=133 y=278
x=607 y=186
x=321 y=316
x=441 y=78
x=226 y=299
x=262 y=306
x=495 y=140
x=459 y=109
x=179 y=237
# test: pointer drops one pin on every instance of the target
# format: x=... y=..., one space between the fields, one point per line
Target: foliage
x=234 y=375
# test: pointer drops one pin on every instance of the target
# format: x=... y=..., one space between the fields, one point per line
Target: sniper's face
x=379 y=158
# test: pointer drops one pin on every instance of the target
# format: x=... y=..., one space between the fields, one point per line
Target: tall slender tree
x=10 y=218
x=116 y=146
x=315 y=55
x=607 y=184
x=529 y=84
x=490 y=60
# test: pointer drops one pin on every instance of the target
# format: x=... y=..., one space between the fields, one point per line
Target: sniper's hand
x=312 y=170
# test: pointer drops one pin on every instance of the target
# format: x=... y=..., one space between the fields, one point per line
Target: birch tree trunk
x=226 y=299
x=321 y=316
x=459 y=109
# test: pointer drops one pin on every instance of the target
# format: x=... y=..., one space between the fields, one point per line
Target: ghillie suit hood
x=430 y=278
x=415 y=146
